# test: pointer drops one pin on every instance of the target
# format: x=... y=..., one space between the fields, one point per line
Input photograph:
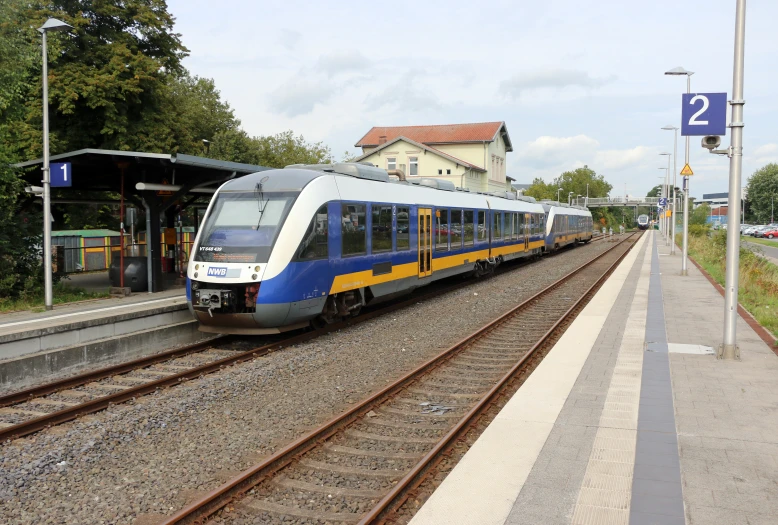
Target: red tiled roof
x=441 y=134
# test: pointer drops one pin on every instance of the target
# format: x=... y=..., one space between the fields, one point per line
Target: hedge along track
x=31 y=410
x=361 y=465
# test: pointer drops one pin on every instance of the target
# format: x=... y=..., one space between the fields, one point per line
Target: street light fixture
x=52 y=24
x=558 y=191
x=666 y=195
x=670 y=127
x=570 y=197
x=679 y=71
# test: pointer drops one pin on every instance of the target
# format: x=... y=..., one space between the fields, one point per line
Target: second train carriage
x=566 y=224
x=281 y=248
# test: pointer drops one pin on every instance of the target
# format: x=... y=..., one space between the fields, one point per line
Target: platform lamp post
x=570 y=197
x=558 y=191
x=679 y=71
x=667 y=196
x=52 y=24
x=675 y=172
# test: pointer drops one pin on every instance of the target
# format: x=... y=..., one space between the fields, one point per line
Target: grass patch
x=759 y=240
x=758 y=287
x=63 y=293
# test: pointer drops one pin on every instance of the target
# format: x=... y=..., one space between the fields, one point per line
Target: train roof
x=297 y=176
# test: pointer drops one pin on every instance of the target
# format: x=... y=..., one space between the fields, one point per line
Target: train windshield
x=243 y=226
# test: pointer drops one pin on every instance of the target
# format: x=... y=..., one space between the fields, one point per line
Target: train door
x=425 y=241
x=525 y=232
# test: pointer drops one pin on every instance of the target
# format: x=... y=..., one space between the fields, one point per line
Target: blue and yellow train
x=282 y=249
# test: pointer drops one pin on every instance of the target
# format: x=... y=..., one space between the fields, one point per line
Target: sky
x=577 y=82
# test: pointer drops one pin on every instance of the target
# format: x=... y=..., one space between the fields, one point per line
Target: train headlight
x=197 y=266
x=254 y=276
x=195 y=275
x=256 y=269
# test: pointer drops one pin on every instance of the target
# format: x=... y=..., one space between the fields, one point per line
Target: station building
x=471 y=156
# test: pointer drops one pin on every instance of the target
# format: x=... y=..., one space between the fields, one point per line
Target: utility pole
x=729 y=348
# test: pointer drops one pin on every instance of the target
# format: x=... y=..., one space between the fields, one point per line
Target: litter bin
x=135 y=273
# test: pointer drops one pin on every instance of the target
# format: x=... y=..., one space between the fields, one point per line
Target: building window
x=403 y=228
x=352 y=229
x=448 y=172
x=413 y=163
x=440 y=172
x=391 y=163
x=382 y=228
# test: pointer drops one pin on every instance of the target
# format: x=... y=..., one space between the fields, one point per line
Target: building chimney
x=382 y=140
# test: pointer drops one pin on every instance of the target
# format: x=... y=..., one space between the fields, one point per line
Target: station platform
x=630 y=418
x=37 y=344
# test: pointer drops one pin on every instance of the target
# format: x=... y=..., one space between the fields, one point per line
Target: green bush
x=699 y=230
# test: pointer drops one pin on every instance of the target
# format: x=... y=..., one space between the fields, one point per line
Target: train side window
x=403 y=228
x=352 y=229
x=441 y=230
x=455 y=229
x=483 y=226
x=381 y=228
x=468 y=228
x=314 y=243
x=496 y=225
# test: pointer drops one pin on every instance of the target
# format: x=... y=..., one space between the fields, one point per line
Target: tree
x=540 y=190
x=656 y=191
x=272 y=151
x=763 y=193
x=700 y=215
x=108 y=80
x=576 y=181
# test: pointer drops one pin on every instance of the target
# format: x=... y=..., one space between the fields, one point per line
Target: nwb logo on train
x=217 y=272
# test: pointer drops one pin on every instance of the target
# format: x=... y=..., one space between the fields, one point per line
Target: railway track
x=31 y=410
x=360 y=466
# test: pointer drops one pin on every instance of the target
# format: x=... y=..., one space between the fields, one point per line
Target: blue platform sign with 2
x=662 y=202
x=61 y=175
x=704 y=114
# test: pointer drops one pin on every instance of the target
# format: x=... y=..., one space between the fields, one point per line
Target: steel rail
x=414 y=478
x=57 y=386
x=101 y=403
x=221 y=496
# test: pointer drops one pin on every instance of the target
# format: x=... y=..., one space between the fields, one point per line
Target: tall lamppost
x=587 y=194
x=667 y=196
x=570 y=197
x=679 y=71
x=728 y=348
x=675 y=171
x=558 y=191
x=52 y=24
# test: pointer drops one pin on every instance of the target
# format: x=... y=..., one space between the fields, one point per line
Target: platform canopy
x=121 y=172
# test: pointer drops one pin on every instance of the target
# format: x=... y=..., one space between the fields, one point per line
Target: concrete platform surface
x=631 y=419
x=73 y=312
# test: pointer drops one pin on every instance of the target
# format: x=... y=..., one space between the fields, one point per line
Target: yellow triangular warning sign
x=687 y=170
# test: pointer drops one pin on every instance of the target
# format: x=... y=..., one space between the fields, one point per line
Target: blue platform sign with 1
x=61 y=175
x=704 y=114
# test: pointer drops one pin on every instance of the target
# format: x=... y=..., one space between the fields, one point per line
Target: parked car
x=770 y=233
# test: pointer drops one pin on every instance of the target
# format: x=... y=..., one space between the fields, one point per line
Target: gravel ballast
x=149 y=458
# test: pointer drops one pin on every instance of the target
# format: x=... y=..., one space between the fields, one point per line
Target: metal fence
x=69 y=257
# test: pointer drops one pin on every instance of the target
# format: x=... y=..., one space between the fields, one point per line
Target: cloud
x=342 y=62
x=300 y=95
x=289 y=39
x=405 y=94
x=765 y=154
x=515 y=86
x=548 y=151
x=619 y=159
